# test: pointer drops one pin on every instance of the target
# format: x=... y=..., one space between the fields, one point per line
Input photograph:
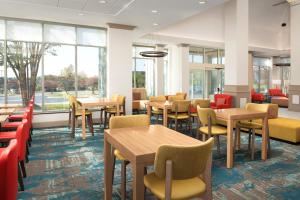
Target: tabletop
x=139 y=144
x=7 y=111
x=95 y=101
x=239 y=113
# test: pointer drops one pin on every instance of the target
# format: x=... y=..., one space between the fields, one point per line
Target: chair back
x=184 y=94
x=181 y=106
x=22 y=136
x=204 y=114
x=9 y=171
x=257 y=107
x=187 y=162
x=157 y=98
x=175 y=97
x=73 y=101
x=129 y=121
x=203 y=103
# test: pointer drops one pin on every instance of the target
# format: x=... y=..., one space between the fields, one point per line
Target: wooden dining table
x=7 y=111
x=92 y=103
x=139 y=145
x=164 y=105
x=232 y=115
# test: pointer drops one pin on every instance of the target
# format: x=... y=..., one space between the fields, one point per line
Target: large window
x=261 y=73
x=207 y=73
x=50 y=61
x=143 y=70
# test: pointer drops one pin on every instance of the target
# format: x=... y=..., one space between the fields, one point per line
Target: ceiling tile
x=72 y=4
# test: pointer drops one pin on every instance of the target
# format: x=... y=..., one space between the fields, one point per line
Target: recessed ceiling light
x=154 y=11
x=81 y=14
x=102 y=1
x=155 y=24
x=202 y=2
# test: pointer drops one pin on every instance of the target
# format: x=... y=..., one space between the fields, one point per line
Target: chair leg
x=176 y=124
x=23 y=168
x=203 y=137
x=20 y=178
x=69 y=122
x=90 y=122
x=218 y=145
x=249 y=139
x=113 y=169
x=269 y=141
x=253 y=144
x=105 y=119
x=157 y=119
x=123 y=180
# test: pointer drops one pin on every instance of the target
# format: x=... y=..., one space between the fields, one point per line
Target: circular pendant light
x=153 y=54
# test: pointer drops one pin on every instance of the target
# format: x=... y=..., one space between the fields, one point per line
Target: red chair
x=221 y=101
x=257 y=97
x=276 y=93
x=9 y=171
x=20 y=136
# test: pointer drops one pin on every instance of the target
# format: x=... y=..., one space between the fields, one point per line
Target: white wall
x=159 y=73
x=119 y=64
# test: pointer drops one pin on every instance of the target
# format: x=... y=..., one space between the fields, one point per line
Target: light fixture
x=202 y=2
x=155 y=24
x=154 y=11
x=102 y=1
x=153 y=54
x=81 y=14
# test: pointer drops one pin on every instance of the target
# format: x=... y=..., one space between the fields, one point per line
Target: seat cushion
x=8 y=135
x=79 y=112
x=284 y=128
x=179 y=116
x=181 y=189
x=215 y=130
x=16 y=117
x=157 y=111
x=249 y=125
x=11 y=124
x=119 y=155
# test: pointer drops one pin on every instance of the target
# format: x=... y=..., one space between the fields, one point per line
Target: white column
x=159 y=73
x=294 y=89
x=184 y=68
x=236 y=50
x=179 y=68
x=119 y=64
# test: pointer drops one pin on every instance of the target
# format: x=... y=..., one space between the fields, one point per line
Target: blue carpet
x=65 y=168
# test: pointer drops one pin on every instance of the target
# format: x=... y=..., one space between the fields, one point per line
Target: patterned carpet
x=64 y=168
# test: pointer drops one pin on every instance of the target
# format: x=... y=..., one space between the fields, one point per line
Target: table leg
x=264 y=142
x=165 y=115
x=230 y=144
x=108 y=160
x=207 y=178
x=149 y=110
x=118 y=110
x=238 y=135
x=138 y=181
x=83 y=122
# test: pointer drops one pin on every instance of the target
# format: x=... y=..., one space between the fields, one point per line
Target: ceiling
x=96 y=13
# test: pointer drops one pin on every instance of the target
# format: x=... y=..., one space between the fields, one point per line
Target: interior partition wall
x=53 y=60
x=206 y=72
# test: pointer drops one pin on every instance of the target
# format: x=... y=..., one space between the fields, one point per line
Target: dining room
x=149 y=99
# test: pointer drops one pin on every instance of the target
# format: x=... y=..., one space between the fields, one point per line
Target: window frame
x=102 y=57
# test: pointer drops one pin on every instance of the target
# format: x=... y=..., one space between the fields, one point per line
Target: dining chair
x=112 y=110
x=77 y=112
x=209 y=126
x=126 y=122
x=203 y=103
x=184 y=94
x=9 y=171
x=252 y=126
x=180 y=112
x=178 y=171
x=172 y=98
x=156 y=111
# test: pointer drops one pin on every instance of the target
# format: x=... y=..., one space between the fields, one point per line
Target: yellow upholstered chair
x=203 y=103
x=156 y=111
x=76 y=112
x=175 y=98
x=180 y=111
x=126 y=122
x=252 y=126
x=112 y=110
x=184 y=94
x=209 y=126
x=178 y=171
